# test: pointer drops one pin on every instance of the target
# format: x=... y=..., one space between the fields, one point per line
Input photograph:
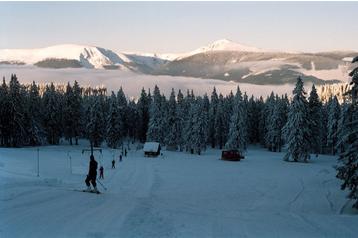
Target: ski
x=85 y=191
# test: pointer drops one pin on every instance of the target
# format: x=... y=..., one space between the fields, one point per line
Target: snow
x=174 y=195
x=133 y=82
x=151 y=147
x=89 y=56
x=340 y=73
x=221 y=45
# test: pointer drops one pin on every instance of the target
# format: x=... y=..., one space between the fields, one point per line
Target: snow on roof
x=151 y=146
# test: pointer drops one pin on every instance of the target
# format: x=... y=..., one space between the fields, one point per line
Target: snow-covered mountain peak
x=228 y=45
x=87 y=56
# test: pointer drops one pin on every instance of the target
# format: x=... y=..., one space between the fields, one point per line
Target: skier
x=120 y=158
x=101 y=172
x=92 y=174
x=113 y=164
x=125 y=152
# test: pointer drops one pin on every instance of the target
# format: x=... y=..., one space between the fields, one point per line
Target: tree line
x=304 y=125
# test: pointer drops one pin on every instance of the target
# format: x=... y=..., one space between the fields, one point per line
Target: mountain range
x=222 y=59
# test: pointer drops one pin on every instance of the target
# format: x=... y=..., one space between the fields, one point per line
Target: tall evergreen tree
x=16 y=114
x=52 y=115
x=173 y=125
x=95 y=126
x=35 y=131
x=143 y=116
x=114 y=123
x=315 y=112
x=238 y=127
x=296 y=130
x=4 y=112
x=156 y=121
x=212 y=115
x=348 y=159
x=332 y=129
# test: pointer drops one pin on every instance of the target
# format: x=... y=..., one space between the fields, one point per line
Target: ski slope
x=174 y=195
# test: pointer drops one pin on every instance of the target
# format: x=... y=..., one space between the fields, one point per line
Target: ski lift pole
x=38 y=162
x=69 y=156
x=102 y=185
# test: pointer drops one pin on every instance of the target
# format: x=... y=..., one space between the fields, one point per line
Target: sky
x=174 y=27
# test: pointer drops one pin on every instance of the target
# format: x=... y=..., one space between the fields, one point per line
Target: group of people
x=92 y=172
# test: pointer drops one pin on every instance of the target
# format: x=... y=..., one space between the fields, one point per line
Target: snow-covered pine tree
x=332 y=128
x=342 y=142
x=68 y=117
x=196 y=127
x=155 y=126
x=123 y=111
x=212 y=115
x=219 y=127
x=348 y=159
x=114 y=133
x=16 y=115
x=268 y=112
x=95 y=126
x=276 y=123
x=143 y=116
x=133 y=115
x=4 y=114
x=296 y=130
x=315 y=112
x=260 y=107
x=181 y=116
x=52 y=115
x=238 y=127
x=172 y=138
x=35 y=131
x=77 y=107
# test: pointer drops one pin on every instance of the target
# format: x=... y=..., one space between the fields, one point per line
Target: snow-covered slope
x=221 y=45
x=174 y=195
x=87 y=56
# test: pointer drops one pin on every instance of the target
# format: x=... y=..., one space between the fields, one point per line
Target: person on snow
x=101 y=172
x=125 y=152
x=120 y=158
x=113 y=164
x=92 y=174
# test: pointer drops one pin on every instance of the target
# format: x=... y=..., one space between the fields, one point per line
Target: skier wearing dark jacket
x=92 y=174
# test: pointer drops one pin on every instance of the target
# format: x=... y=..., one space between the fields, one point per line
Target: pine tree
x=173 y=129
x=315 y=112
x=68 y=119
x=95 y=125
x=52 y=115
x=143 y=116
x=219 y=123
x=332 y=128
x=156 y=124
x=296 y=130
x=276 y=123
x=348 y=159
x=4 y=112
x=212 y=115
x=196 y=127
x=123 y=110
x=35 y=131
x=114 y=121
x=238 y=127
x=16 y=115
x=77 y=107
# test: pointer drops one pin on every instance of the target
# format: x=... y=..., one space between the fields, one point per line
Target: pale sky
x=172 y=27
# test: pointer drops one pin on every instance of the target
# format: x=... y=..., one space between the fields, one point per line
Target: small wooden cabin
x=151 y=149
x=231 y=155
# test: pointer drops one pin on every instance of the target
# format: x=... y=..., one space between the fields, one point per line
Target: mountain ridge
x=222 y=59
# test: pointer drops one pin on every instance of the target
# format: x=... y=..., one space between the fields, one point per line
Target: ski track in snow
x=175 y=195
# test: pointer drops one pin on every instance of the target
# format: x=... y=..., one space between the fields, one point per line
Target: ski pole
x=102 y=185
